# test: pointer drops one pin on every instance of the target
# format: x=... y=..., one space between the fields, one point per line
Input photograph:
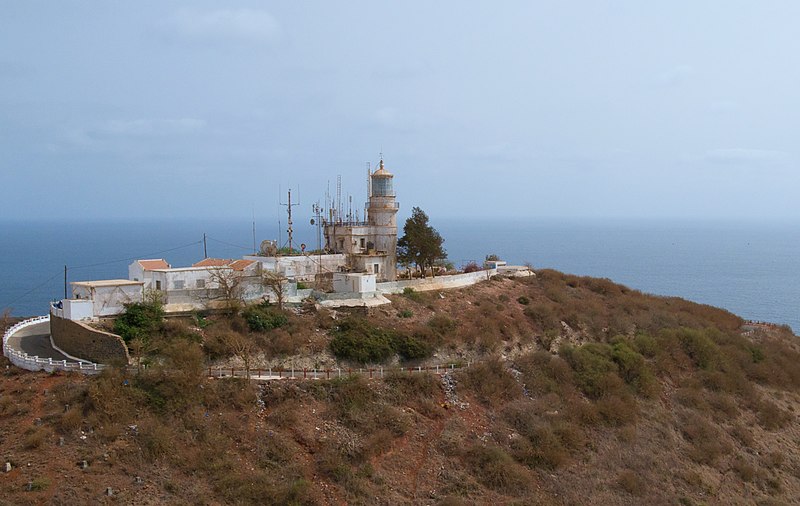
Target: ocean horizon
x=750 y=268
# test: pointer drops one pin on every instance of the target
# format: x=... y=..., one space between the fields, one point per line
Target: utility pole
x=289 y=229
x=65 y=282
x=205 y=246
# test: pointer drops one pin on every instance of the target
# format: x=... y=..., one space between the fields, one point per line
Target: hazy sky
x=569 y=109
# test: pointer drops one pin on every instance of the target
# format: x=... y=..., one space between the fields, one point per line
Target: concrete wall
x=108 y=300
x=437 y=283
x=353 y=283
x=300 y=267
x=80 y=340
x=78 y=309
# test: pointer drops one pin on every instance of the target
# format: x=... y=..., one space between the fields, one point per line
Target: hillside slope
x=580 y=391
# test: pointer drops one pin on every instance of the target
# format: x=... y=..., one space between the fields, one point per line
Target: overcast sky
x=528 y=109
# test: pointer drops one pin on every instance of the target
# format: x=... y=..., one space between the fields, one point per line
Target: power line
x=136 y=257
x=231 y=245
x=37 y=287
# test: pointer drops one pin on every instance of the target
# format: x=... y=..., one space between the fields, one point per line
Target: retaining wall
x=29 y=363
x=80 y=340
x=437 y=283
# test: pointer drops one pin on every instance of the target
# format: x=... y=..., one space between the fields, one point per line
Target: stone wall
x=84 y=342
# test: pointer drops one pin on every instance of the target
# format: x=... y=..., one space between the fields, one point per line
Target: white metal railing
x=34 y=363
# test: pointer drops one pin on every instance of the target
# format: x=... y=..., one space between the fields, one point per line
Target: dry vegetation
x=581 y=392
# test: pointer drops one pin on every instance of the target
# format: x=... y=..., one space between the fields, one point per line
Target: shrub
x=39 y=484
x=412 y=294
x=541 y=445
x=523 y=300
x=140 y=320
x=631 y=482
x=492 y=383
x=405 y=313
x=357 y=340
x=410 y=347
x=442 y=324
x=633 y=368
x=595 y=371
x=707 y=442
x=496 y=469
x=544 y=316
x=471 y=267
x=260 y=318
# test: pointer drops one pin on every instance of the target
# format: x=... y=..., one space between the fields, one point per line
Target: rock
x=7 y=467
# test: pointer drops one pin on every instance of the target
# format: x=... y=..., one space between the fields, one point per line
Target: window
x=179 y=284
x=201 y=283
x=376 y=268
x=158 y=285
x=362 y=243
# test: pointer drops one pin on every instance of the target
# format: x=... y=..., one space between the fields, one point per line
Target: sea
x=750 y=268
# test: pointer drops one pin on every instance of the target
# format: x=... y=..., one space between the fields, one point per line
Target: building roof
x=155 y=263
x=106 y=282
x=213 y=262
x=237 y=265
x=382 y=172
x=240 y=265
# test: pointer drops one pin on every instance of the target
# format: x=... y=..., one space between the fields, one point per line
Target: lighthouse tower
x=382 y=210
x=370 y=246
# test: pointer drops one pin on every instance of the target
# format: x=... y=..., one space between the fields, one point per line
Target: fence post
x=370 y=373
x=304 y=373
x=339 y=369
x=437 y=368
x=327 y=374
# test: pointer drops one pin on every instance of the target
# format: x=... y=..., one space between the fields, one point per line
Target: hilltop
x=578 y=391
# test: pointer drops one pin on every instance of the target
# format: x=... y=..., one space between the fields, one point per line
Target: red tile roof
x=213 y=262
x=153 y=264
x=240 y=265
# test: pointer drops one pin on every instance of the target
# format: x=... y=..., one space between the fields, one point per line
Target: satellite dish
x=268 y=248
x=313 y=222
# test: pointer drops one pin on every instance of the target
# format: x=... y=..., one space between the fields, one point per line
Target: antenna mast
x=339 y=197
x=289 y=229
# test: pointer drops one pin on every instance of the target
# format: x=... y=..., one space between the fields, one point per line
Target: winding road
x=35 y=341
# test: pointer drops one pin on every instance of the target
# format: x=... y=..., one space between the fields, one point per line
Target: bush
x=140 y=320
x=260 y=318
x=496 y=469
x=523 y=300
x=544 y=316
x=491 y=381
x=631 y=482
x=471 y=267
x=355 y=339
x=412 y=294
x=442 y=324
x=595 y=370
x=405 y=313
x=411 y=347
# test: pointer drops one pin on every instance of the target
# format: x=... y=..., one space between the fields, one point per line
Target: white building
x=142 y=270
x=108 y=296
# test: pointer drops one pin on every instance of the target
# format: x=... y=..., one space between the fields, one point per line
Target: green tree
x=421 y=244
